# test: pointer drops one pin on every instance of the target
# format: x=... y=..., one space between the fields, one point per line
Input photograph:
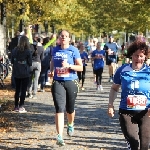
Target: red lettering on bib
x=62 y=72
x=136 y=101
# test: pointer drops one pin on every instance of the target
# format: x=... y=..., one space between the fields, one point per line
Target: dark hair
x=40 y=39
x=72 y=43
x=23 y=43
x=137 y=45
x=66 y=31
x=46 y=40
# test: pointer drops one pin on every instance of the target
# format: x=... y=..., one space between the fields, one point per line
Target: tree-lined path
x=94 y=130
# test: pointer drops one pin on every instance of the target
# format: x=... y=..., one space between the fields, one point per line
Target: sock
x=70 y=124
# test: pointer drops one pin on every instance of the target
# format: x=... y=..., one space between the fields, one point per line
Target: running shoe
x=29 y=95
x=60 y=140
x=111 y=80
x=98 y=89
x=70 y=130
x=101 y=88
x=22 y=110
x=34 y=97
x=82 y=88
x=41 y=90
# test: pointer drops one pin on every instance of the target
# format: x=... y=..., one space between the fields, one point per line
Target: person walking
x=134 y=109
x=98 y=58
x=66 y=61
x=84 y=57
x=37 y=57
x=21 y=60
x=45 y=63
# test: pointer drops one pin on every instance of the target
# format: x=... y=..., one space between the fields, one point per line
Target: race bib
x=99 y=55
x=62 y=72
x=111 y=52
x=136 y=101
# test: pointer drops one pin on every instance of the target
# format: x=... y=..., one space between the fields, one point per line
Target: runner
x=66 y=62
x=92 y=48
x=134 y=109
x=98 y=58
x=111 y=52
x=84 y=57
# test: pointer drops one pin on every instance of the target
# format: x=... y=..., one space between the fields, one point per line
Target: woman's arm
x=112 y=96
x=113 y=93
x=50 y=42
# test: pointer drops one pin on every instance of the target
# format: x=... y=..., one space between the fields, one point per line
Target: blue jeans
x=34 y=78
x=42 y=78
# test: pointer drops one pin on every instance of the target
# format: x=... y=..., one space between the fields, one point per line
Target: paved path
x=94 y=130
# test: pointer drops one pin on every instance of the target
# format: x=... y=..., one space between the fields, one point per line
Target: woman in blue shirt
x=98 y=58
x=66 y=61
x=134 y=109
x=84 y=57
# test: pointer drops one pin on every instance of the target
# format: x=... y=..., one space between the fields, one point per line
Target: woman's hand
x=51 y=74
x=111 y=110
x=65 y=64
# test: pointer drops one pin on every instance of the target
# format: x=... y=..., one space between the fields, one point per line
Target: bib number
x=62 y=72
x=99 y=56
x=136 y=101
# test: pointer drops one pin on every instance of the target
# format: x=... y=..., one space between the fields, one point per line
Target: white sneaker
x=22 y=110
x=98 y=89
x=47 y=83
x=101 y=89
x=111 y=80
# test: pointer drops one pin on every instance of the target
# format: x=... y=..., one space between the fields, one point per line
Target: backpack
x=47 y=57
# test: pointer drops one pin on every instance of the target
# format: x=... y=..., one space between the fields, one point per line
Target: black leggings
x=98 y=73
x=64 y=95
x=136 y=129
x=81 y=75
x=21 y=88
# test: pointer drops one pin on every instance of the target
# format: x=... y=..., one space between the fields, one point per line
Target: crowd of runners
x=35 y=59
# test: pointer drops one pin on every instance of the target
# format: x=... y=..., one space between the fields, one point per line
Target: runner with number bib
x=84 y=57
x=98 y=57
x=134 y=109
x=66 y=61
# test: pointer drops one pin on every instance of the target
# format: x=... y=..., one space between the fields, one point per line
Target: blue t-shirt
x=99 y=62
x=83 y=56
x=113 y=46
x=70 y=55
x=135 y=87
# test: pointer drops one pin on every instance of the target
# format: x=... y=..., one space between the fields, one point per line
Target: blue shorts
x=110 y=60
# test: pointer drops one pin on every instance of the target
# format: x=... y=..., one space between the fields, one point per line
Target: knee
x=60 y=110
x=70 y=111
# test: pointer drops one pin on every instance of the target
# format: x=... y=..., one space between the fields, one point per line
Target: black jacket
x=21 y=63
